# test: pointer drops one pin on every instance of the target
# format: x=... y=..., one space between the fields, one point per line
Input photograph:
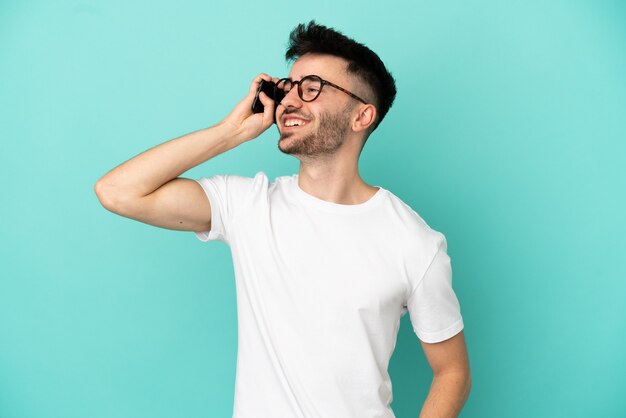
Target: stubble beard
x=330 y=135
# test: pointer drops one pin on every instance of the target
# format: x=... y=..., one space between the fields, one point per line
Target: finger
x=268 y=108
x=257 y=80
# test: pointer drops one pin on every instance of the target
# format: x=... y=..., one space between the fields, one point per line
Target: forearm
x=149 y=170
x=447 y=395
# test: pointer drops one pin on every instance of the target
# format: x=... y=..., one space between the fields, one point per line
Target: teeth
x=294 y=122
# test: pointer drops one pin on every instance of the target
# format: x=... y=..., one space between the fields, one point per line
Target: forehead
x=326 y=66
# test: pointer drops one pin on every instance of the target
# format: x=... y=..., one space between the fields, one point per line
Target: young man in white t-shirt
x=325 y=264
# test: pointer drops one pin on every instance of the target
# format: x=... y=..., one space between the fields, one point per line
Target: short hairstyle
x=362 y=61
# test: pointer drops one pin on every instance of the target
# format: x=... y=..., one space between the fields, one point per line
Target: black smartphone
x=266 y=87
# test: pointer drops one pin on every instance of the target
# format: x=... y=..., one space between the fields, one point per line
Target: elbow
x=106 y=198
x=465 y=384
x=468 y=383
x=460 y=379
x=98 y=190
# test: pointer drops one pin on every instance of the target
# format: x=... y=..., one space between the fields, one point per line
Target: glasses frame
x=322 y=84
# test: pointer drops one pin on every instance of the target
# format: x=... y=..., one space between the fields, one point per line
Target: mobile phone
x=267 y=87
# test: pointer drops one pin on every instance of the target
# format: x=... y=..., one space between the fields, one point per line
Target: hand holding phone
x=244 y=123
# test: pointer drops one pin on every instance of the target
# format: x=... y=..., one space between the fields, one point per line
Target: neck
x=334 y=183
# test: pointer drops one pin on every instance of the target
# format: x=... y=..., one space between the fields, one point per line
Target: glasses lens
x=311 y=87
x=284 y=84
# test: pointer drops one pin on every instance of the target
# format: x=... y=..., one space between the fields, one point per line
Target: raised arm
x=147 y=187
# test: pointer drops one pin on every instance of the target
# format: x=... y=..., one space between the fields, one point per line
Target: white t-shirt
x=321 y=288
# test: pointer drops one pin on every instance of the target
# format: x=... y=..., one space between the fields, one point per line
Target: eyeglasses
x=309 y=88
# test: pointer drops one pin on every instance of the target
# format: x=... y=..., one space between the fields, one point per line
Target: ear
x=365 y=117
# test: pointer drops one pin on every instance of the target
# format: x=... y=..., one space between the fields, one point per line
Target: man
x=325 y=264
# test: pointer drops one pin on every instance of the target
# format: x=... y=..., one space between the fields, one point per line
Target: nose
x=292 y=99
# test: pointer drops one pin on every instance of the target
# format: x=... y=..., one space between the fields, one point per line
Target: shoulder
x=256 y=188
x=235 y=188
x=240 y=180
x=237 y=182
x=416 y=235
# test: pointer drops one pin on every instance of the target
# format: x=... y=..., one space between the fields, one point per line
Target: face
x=324 y=122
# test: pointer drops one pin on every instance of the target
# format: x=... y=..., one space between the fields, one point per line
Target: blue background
x=508 y=135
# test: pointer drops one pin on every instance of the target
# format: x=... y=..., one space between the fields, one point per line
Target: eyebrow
x=302 y=76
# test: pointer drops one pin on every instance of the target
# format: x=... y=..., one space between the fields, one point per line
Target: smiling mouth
x=294 y=123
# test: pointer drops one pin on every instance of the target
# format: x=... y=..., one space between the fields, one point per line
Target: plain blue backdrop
x=508 y=135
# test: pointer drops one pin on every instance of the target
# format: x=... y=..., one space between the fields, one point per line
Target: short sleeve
x=227 y=194
x=216 y=191
x=433 y=306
